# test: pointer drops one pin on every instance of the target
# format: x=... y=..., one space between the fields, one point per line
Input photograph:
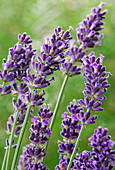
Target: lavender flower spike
x=103 y=155
x=95 y=73
x=88 y=34
x=52 y=52
x=34 y=152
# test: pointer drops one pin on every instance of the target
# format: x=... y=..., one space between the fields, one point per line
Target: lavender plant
x=25 y=77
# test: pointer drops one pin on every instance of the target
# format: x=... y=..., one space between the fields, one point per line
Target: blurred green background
x=39 y=18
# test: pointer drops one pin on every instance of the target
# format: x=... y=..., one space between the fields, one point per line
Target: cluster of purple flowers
x=52 y=52
x=95 y=73
x=34 y=152
x=18 y=61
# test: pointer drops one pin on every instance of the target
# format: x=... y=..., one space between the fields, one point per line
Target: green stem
x=58 y=101
x=57 y=107
x=20 y=138
x=75 y=148
x=4 y=160
x=10 y=141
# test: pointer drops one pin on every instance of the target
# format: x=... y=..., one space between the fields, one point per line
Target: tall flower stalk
x=11 y=140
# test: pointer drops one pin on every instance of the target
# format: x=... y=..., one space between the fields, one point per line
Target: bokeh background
x=39 y=18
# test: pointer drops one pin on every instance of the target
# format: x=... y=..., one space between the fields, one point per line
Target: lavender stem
x=57 y=107
x=4 y=160
x=75 y=148
x=58 y=101
x=10 y=141
x=20 y=138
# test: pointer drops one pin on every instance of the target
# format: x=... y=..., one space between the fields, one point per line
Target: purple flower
x=63 y=163
x=6 y=90
x=88 y=33
x=71 y=128
x=88 y=36
x=79 y=112
x=95 y=72
x=52 y=52
x=85 y=118
x=90 y=105
x=23 y=88
x=39 y=131
x=5 y=76
x=27 y=160
x=24 y=39
x=33 y=151
x=83 y=161
x=75 y=53
x=19 y=105
x=37 y=83
x=39 y=135
x=73 y=108
x=13 y=145
x=70 y=132
x=66 y=147
x=103 y=155
x=20 y=109
x=71 y=70
x=33 y=100
x=19 y=60
x=37 y=166
x=45 y=113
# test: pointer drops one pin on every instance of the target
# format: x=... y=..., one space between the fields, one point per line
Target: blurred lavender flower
x=37 y=166
x=23 y=88
x=6 y=90
x=20 y=109
x=24 y=39
x=33 y=152
x=45 y=113
x=66 y=147
x=24 y=100
x=13 y=145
